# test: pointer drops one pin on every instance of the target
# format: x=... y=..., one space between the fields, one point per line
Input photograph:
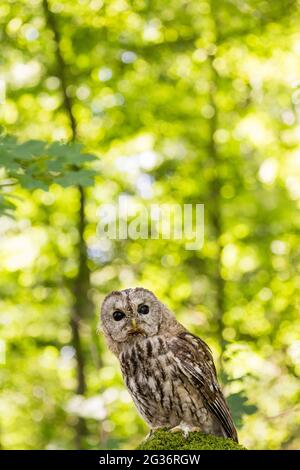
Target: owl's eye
x=143 y=309
x=118 y=315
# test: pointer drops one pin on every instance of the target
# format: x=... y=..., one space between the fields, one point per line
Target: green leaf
x=36 y=164
x=7 y=161
x=89 y=157
x=57 y=149
x=29 y=182
x=238 y=404
x=77 y=178
x=30 y=149
x=69 y=153
x=55 y=165
x=6 y=206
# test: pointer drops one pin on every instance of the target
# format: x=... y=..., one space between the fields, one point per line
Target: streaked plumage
x=169 y=372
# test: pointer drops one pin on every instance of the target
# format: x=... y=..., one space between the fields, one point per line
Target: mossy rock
x=165 y=440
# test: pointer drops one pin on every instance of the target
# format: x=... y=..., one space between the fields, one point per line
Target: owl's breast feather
x=151 y=376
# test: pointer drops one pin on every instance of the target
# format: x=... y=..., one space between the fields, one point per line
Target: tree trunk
x=81 y=283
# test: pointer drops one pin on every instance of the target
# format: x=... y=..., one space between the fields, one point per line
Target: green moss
x=165 y=440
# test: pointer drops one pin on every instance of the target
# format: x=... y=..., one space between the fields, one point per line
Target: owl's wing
x=194 y=359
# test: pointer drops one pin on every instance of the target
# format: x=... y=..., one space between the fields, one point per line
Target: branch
x=61 y=66
x=215 y=196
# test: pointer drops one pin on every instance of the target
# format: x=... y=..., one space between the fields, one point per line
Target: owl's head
x=131 y=314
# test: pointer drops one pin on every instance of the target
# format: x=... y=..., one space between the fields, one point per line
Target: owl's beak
x=135 y=329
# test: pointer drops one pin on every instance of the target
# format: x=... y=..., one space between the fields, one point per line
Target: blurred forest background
x=173 y=101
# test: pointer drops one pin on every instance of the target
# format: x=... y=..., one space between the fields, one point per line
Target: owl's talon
x=184 y=428
x=176 y=429
x=150 y=434
x=196 y=429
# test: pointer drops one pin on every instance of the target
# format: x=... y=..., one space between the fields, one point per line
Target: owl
x=168 y=371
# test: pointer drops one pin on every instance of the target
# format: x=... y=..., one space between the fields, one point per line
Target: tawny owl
x=168 y=371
